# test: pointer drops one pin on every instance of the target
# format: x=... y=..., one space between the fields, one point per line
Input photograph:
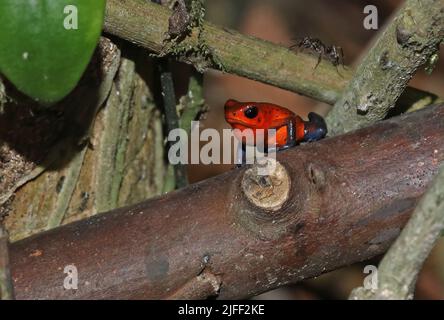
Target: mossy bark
x=6 y=286
x=147 y=24
x=382 y=76
x=101 y=148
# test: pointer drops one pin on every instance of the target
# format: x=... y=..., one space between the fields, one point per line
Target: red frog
x=290 y=128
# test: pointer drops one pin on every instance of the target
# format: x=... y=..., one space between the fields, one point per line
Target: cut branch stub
x=268 y=192
x=277 y=199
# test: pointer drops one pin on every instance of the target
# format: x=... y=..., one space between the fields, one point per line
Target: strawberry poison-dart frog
x=290 y=128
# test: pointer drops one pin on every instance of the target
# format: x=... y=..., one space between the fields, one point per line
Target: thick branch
x=409 y=40
x=146 y=24
x=398 y=271
x=345 y=199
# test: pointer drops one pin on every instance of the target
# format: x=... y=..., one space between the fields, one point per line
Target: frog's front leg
x=241 y=155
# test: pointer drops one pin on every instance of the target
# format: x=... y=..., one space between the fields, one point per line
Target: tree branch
x=409 y=40
x=146 y=24
x=171 y=117
x=399 y=269
x=231 y=237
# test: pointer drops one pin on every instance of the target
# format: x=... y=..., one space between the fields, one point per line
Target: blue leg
x=241 y=155
x=315 y=128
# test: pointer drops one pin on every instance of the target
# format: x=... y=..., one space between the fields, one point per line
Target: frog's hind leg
x=315 y=128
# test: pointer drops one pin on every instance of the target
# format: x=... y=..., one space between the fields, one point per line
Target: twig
x=409 y=40
x=146 y=24
x=171 y=117
x=190 y=107
x=192 y=104
x=399 y=269
x=6 y=286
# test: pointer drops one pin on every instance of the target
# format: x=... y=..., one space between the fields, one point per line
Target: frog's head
x=242 y=114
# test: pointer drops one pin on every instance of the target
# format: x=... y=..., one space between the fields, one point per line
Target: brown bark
x=349 y=198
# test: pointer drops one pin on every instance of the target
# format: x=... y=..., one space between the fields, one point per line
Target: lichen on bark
x=408 y=42
x=101 y=148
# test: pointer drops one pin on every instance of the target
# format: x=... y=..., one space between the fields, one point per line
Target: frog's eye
x=251 y=112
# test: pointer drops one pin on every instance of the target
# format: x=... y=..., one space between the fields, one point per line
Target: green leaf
x=43 y=52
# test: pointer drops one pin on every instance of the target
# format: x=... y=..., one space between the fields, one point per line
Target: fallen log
x=333 y=203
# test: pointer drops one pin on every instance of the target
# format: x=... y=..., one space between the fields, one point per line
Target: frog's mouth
x=237 y=122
